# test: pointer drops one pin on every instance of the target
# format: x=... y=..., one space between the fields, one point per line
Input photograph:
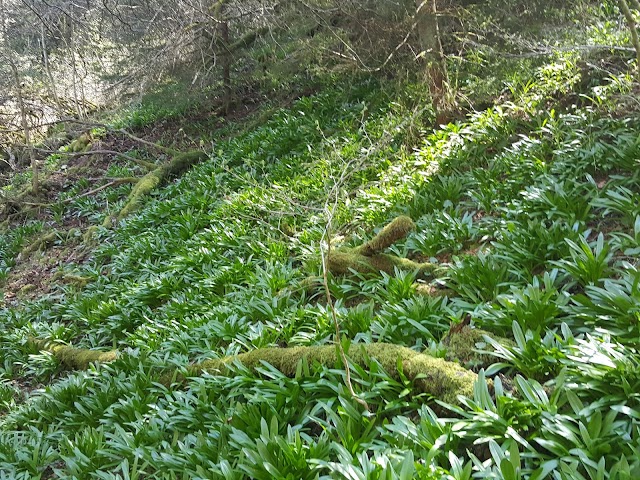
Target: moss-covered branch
x=396 y=230
x=437 y=377
x=174 y=167
x=42 y=242
x=247 y=39
x=368 y=257
x=343 y=261
x=71 y=357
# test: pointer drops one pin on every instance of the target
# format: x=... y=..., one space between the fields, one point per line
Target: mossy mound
x=434 y=376
x=463 y=347
x=81 y=144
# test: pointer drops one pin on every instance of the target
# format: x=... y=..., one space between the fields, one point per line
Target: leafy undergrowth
x=532 y=215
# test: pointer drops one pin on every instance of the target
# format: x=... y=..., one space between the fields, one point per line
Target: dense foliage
x=530 y=209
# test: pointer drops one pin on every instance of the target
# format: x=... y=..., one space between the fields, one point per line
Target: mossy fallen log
x=40 y=243
x=343 y=261
x=368 y=257
x=174 y=167
x=396 y=230
x=71 y=357
x=434 y=376
x=437 y=377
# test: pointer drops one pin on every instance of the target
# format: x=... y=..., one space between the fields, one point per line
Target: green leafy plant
x=272 y=455
x=537 y=306
x=589 y=265
x=612 y=306
x=620 y=200
x=442 y=232
x=479 y=278
x=565 y=200
x=532 y=355
x=628 y=243
x=531 y=246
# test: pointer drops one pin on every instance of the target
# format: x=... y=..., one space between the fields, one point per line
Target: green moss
x=368 y=258
x=80 y=170
x=140 y=190
x=76 y=280
x=176 y=166
x=74 y=358
x=183 y=161
x=89 y=234
x=427 y=290
x=311 y=285
x=28 y=288
x=341 y=262
x=73 y=233
x=462 y=347
x=81 y=144
x=440 y=378
x=390 y=234
x=437 y=377
x=40 y=243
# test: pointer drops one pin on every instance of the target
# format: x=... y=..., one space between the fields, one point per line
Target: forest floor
x=196 y=337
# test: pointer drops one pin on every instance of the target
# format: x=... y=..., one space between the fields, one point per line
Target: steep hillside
x=519 y=311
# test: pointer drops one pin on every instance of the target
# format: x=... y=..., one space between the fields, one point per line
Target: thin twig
x=117 y=130
x=97 y=152
x=326 y=239
x=117 y=181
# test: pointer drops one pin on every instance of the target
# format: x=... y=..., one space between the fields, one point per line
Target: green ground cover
x=530 y=211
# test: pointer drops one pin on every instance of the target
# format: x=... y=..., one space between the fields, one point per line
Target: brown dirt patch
x=38 y=274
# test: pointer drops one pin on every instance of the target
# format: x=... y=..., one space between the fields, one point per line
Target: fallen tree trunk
x=434 y=376
x=437 y=377
x=73 y=358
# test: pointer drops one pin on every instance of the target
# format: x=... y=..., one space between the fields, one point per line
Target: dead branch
x=118 y=181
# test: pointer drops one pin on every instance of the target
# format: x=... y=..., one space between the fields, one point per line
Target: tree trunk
x=224 y=53
x=47 y=67
x=35 y=181
x=634 y=32
x=433 y=55
x=226 y=66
